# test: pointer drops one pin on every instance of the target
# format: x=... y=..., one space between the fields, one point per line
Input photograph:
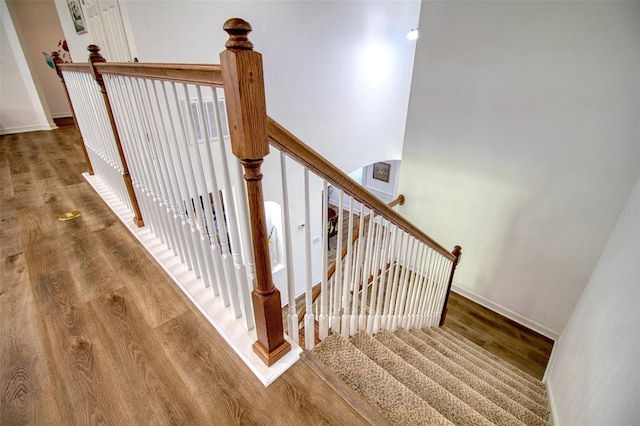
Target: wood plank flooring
x=93 y=331
x=516 y=344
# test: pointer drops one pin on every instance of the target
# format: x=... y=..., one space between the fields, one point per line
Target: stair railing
x=332 y=267
x=165 y=128
x=393 y=275
x=98 y=137
x=161 y=137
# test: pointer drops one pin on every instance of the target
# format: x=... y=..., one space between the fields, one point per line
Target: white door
x=105 y=21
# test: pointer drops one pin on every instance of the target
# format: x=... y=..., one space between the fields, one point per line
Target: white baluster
x=150 y=161
x=202 y=207
x=324 y=283
x=442 y=285
x=163 y=120
x=437 y=304
x=217 y=224
x=412 y=294
x=244 y=228
x=309 y=332
x=376 y=272
x=338 y=284
x=366 y=272
x=402 y=287
x=387 y=237
x=431 y=287
x=359 y=256
x=347 y=279
x=182 y=187
x=240 y=269
x=417 y=322
x=292 y=319
x=204 y=261
x=391 y=296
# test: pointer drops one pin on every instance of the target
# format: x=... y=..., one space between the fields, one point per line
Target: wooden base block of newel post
x=271 y=345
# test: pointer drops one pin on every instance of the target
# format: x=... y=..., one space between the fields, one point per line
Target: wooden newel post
x=57 y=60
x=457 y=252
x=94 y=58
x=246 y=106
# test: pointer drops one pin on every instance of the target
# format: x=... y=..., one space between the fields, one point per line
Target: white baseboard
x=231 y=329
x=539 y=328
x=545 y=379
x=553 y=417
x=23 y=129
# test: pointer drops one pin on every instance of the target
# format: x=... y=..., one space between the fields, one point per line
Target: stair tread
x=485 y=354
x=457 y=387
x=498 y=397
x=428 y=377
x=435 y=395
x=525 y=395
x=367 y=378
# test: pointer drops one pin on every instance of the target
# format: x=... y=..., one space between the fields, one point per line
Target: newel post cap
x=457 y=252
x=94 y=53
x=238 y=30
x=56 y=59
x=95 y=57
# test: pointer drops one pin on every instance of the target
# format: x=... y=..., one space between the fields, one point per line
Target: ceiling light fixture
x=413 y=34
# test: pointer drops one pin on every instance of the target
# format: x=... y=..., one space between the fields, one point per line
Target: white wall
x=77 y=42
x=21 y=102
x=337 y=73
x=40 y=32
x=593 y=377
x=522 y=133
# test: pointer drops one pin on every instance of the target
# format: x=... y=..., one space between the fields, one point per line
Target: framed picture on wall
x=381 y=171
x=76 y=16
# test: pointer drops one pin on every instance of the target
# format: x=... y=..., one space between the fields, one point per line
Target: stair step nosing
x=498 y=397
x=486 y=354
x=366 y=382
x=525 y=389
x=499 y=401
x=449 y=405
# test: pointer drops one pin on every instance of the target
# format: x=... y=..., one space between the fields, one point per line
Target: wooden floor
x=520 y=346
x=93 y=331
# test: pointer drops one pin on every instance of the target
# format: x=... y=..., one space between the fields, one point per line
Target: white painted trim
x=539 y=328
x=545 y=379
x=551 y=361
x=31 y=128
x=128 y=29
x=230 y=328
x=553 y=417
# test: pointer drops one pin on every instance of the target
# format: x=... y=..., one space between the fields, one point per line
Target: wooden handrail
x=76 y=66
x=202 y=74
x=399 y=201
x=282 y=139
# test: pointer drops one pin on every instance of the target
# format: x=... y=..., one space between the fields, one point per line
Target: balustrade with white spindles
x=191 y=142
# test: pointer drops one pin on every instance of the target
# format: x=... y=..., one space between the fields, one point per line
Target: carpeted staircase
x=434 y=376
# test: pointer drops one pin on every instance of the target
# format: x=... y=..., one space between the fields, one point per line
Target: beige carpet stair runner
x=434 y=377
